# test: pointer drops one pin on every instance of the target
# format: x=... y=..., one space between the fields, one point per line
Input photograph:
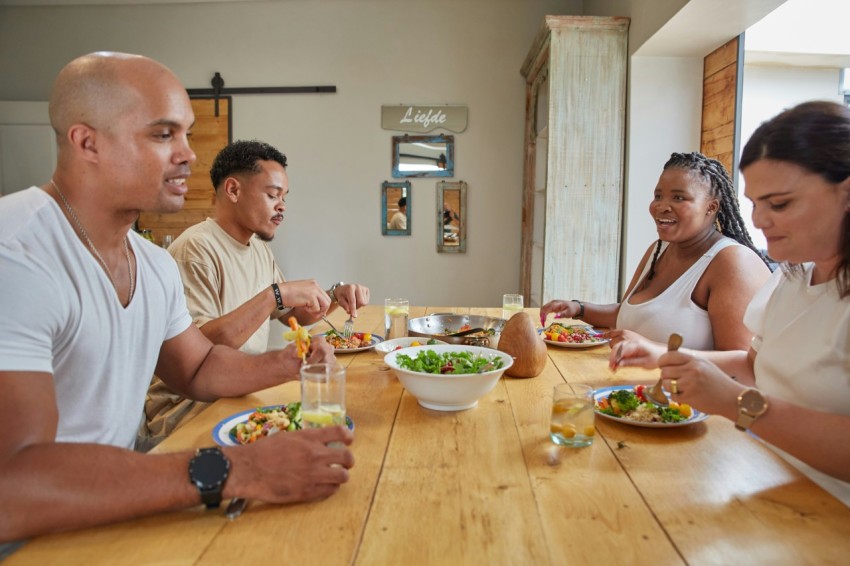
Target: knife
x=235 y=508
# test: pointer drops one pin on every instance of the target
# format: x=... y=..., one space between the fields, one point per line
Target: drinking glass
x=572 y=415
x=322 y=395
x=511 y=304
x=396 y=312
x=166 y=240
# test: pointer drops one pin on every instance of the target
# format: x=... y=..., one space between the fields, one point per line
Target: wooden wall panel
x=209 y=135
x=720 y=104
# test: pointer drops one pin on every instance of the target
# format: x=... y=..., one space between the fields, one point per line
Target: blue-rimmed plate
x=598 y=394
x=224 y=435
x=372 y=343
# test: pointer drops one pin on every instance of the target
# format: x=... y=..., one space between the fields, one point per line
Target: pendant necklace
x=93 y=249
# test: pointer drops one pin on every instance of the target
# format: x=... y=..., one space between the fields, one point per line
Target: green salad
x=429 y=361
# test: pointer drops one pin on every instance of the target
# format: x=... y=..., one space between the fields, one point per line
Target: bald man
x=90 y=310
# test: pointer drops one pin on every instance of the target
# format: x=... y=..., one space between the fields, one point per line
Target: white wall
x=27 y=145
x=768 y=90
x=375 y=52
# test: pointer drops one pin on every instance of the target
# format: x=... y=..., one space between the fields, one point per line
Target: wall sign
x=412 y=118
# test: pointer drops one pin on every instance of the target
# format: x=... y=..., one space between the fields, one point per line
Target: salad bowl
x=448 y=391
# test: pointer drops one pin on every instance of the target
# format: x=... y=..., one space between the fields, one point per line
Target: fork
x=348 y=328
x=656 y=393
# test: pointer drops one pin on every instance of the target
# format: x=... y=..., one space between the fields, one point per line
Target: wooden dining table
x=488 y=486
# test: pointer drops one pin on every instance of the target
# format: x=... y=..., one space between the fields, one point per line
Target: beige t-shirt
x=219 y=275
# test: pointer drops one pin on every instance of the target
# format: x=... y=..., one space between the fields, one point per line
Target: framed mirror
x=423 y=156
x=451 y=217
x=395 y=208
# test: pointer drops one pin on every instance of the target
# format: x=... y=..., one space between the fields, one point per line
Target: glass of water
x=511 y=304
x=322 y=395
x=572 y=421
x=396 y=312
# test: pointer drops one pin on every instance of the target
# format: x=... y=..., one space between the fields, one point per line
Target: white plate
x=375 y=340
x=222 y=431
x=578 y=345
x=388 y=346
x=696 y=417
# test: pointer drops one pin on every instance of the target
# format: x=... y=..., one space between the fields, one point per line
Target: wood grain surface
x=487 y=486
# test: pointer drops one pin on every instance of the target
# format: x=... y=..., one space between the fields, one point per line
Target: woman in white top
x=797 y=172
x=699 y=276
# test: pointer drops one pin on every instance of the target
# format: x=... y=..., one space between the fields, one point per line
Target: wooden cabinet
x=574 y=157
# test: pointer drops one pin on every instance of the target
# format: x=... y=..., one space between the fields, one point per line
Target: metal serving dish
x=437 y=325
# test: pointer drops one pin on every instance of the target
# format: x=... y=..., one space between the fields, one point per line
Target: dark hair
x=815 y=136
x=729 y=220
x=241 y=157
x=402 y=202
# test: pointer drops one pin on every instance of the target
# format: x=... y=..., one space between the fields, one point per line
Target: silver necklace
x=96 y=253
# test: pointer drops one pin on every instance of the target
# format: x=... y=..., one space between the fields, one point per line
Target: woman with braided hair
x=698 y=278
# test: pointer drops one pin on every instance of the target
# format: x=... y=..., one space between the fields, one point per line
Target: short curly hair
x=241 y=157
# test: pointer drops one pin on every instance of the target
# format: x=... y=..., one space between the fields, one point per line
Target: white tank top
x=673 y=310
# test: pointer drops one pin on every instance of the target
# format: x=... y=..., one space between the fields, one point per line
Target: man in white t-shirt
x=89 y=310
x=399 y=219
x=233 y=284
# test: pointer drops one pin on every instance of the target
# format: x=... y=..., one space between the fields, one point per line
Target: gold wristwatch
x=751 y=405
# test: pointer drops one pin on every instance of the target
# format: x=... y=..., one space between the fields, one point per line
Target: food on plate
x=519 y=340
x=300 y=336
x=557 y=332
x=429 y=361
x=339 y=342
x=266 y=421
x=632 y=405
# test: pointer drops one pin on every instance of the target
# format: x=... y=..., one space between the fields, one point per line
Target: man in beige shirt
x=233 y=285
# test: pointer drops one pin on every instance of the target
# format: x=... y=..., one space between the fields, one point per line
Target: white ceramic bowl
x=448 y=392
x=388 y=346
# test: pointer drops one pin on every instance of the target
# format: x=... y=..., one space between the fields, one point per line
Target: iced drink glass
x=396 y=312
x=572 y=415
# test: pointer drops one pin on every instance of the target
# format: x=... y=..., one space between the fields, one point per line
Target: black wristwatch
x=208 y=470
x=580 y=314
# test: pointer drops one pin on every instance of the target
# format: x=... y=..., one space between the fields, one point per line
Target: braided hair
x=729 y=220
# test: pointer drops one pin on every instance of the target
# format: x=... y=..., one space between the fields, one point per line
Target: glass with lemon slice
x=572 y=415
x=322 y=395
x=511 y=304
x=396 y=312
